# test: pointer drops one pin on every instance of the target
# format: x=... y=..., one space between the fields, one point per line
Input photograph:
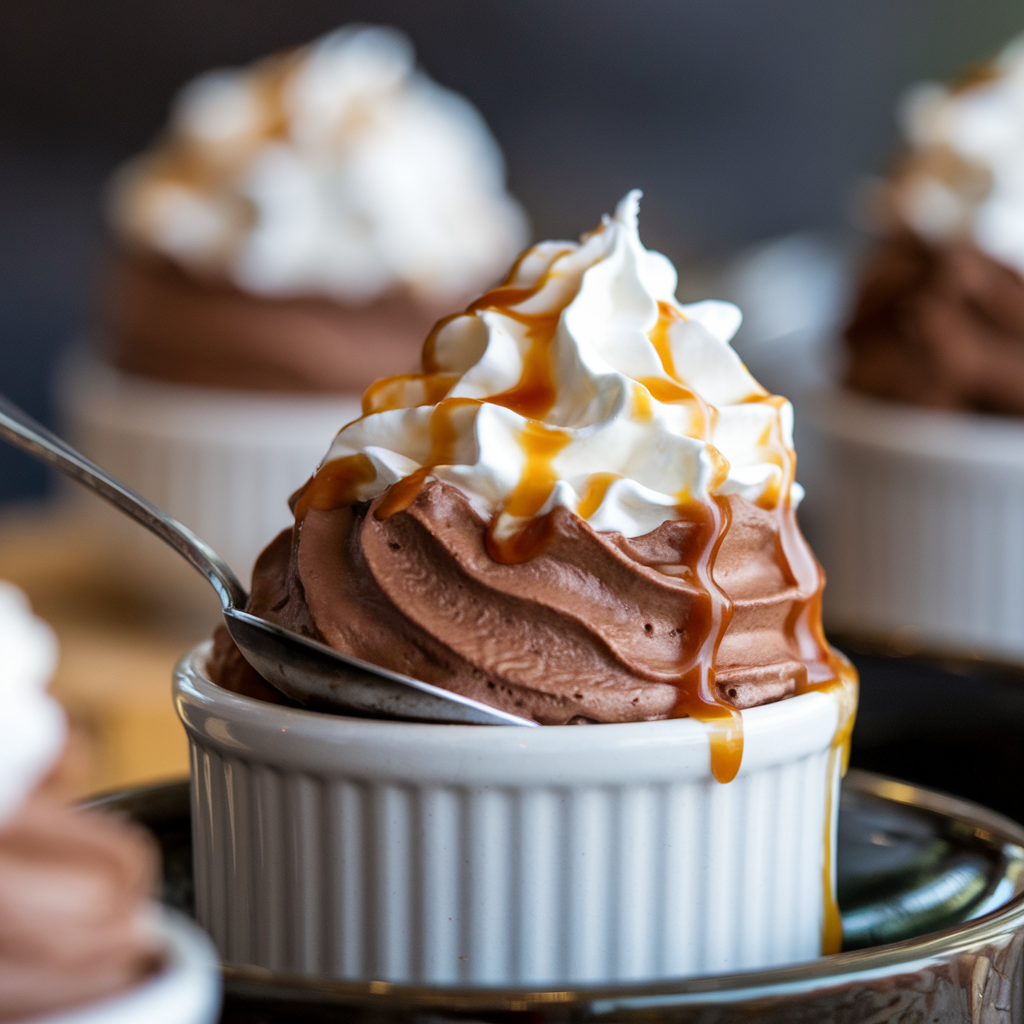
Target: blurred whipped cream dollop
x=76 y=923
x=32 y=725
x=962 y=178
x=579 y=382
x=338 y=169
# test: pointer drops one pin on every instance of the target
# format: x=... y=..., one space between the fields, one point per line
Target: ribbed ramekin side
x=223 y=464
x=922 y=547
x=482 y=885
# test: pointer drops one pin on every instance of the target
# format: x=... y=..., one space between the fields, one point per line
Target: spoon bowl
x=301 y=668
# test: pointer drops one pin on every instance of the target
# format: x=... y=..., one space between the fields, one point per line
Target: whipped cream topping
x=32 y=725
x=338 y=169
x=963 y=177
x=580 y=382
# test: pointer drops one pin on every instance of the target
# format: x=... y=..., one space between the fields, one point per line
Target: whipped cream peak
x=581 y=382
x=32 y=726
x=337 y=169
x=962 y=177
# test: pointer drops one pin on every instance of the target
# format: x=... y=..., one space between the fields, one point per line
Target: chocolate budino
x=301 y=222
x=581 y=510
x=939 y=317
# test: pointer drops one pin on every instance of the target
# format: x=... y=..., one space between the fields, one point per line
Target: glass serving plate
x=931 y=889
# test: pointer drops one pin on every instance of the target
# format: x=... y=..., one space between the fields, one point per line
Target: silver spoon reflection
x=303 y=669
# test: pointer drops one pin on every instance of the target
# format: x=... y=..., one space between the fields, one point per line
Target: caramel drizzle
x=540 y=444
x=531 y=397
x=443 y=439
x=844 y=690
x=674 y=391
x=593 y=493
x=697 y=694
x=334 y=485
x=394 y=392
x=827 y=671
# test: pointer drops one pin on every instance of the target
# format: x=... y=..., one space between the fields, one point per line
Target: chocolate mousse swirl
x=581 y=510
x=939 y=326
x=74 y=926
x=939 y=319
x=302 y=221
x=74 y=885
x=593 y=628
x=160 y=321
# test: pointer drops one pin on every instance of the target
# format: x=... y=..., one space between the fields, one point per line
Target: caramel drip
x=827 y=671
x=708 y=621
x=593 y=493
x=334 y=485
x=698 y=697
x=401 y=494
x=803 y=627
x=394 y=392
x=642 y=408
x=535 y=394
x=665 y=390
x=540 y=445
x=443 y=438
x=844 y=689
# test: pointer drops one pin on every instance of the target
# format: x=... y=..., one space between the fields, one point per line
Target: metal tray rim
x=825 y=972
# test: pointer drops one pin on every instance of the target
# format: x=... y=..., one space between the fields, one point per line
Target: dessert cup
x=917 y=479
x=222 y=462
x=186 y=990
x=464 y=855
x=292 y=233
x=915 y=515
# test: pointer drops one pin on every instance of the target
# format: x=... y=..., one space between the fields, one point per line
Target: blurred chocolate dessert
x=76 y=924
x=303 y=221
x=939 y=319
x=917 y=480
x=292 y=234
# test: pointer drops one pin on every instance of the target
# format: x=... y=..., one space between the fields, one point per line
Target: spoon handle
x=24 y=432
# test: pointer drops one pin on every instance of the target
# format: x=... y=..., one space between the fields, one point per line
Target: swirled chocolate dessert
x=581 y=510
x=302 y=221
x=939 y=319
x=74 y=885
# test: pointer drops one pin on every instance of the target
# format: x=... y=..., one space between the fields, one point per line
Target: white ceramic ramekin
x=186 y=991
x=486 y=855
x=918 y=518
x=222 y=462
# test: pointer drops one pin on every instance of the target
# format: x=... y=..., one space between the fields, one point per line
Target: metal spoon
x=307 y=671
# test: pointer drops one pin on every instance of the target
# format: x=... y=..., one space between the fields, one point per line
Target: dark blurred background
x=742 y=119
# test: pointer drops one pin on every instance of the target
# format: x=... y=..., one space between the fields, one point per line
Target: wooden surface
x=118 y=648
